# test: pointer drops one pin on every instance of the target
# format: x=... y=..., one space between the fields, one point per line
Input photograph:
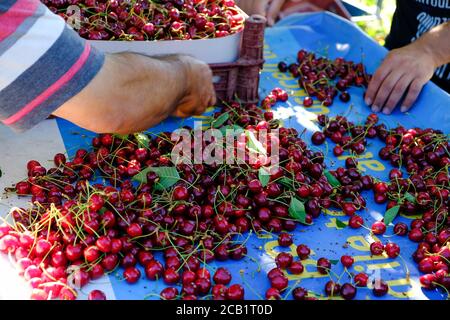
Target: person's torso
x=411 y=20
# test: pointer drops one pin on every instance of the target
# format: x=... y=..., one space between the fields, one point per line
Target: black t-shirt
x=413 y=18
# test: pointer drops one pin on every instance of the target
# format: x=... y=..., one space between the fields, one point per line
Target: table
x=323 y=33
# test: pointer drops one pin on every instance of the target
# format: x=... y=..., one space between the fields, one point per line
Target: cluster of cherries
x=150 y=19
x=79 y=229
x=325 y=79
x=419 y=185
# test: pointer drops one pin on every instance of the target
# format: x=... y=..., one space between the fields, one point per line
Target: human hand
x=268 y=8
x=404 y=70
x=199 y=93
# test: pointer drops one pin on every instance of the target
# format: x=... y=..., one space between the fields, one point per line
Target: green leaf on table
x=254 y=144
x=390 y=215
x=168 y=176
x=286 y=182
x=410 y=197
x=121 y=136
x=263 y=176
x=220 y=120
x=332 y=179
x=297 y=210
x=142 y=139
x=340 y=224
x=334 y=262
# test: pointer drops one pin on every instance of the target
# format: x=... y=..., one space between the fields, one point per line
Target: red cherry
x=222 y=276
x=154 y=270
x=131 y=274
x=296 y=267
x=235 y=292
x=96 y=295
x=170 y=293
x=355 y=222
x=378 y=227
x=303 y=251
x=323 y=265
x=285 y=239
x=283 y=260
x=332 y=288
x=361 y=279
x=380 y=288
x=273 y=294
x=376 y=248
x=299 y=293
x=280 y=283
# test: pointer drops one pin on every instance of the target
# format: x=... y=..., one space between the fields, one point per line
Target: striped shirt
x=43 y=63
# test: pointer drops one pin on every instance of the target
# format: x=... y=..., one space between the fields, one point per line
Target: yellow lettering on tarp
x=310 y=264
x=287 y=85
x=298 y=93
x=334 y=213
x=270 y=68
x=323 y=297
x=358 y=243
x=269 y=55
x=283 y=76
x=268 y=72
x=317 y=109
x=332 y=223
x=396 y=283
x=373 y=165
x=367 y=155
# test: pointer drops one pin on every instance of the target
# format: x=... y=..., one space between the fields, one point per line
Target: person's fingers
x=273 y=11
x=375 y=84
x=385 y=89
x=413 y=93
x=253 y=6
x=397 y=93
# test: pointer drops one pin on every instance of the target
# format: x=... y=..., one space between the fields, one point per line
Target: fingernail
x=368 y=101
x=387 y=111
x=375 y=108
x=404 y=109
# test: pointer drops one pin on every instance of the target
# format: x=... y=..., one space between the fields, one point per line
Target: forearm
x=131 y=93
x=436 y=43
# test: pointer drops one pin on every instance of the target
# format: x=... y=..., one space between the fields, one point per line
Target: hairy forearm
x=436 y=42
x=131 y=93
